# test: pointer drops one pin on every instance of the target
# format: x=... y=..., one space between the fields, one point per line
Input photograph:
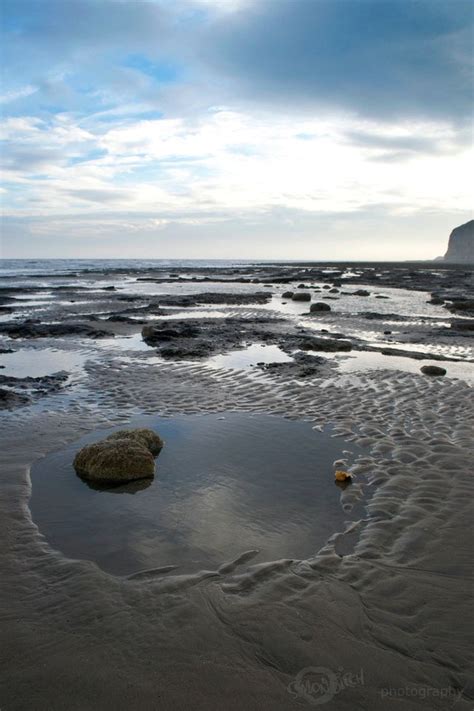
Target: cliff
x=461 y=244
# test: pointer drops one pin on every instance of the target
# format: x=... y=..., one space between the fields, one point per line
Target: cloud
x=17 y=94
x=280 y=234
x=382 y=59
x=100 y=195
x=231 y=161
x=250 y=117
x=378 y=58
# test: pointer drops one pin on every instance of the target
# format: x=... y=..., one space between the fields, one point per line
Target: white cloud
x=232 y=163
x=15 y=94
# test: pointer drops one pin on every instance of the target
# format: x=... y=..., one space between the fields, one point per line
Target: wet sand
x=384 y=608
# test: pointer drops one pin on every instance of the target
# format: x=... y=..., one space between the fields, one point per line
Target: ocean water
x=42 y=267
x=404 y=317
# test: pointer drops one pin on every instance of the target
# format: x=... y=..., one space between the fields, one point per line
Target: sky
x=256 y=129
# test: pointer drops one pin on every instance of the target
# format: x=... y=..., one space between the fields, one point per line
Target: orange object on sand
x=342 y=476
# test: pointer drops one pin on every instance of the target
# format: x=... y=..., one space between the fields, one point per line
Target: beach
x=261 y=609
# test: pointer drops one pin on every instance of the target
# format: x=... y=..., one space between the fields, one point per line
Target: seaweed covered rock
x=142 y=435
x=123 y=456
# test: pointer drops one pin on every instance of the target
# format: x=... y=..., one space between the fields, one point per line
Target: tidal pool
x=224 y=484
x=249 y=356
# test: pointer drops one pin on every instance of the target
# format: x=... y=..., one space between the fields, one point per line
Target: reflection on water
x=246 y=357
x=362 y=361
x=36 y=363
x=223 y=485
x=133 y=342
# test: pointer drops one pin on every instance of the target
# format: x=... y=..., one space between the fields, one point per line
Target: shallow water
x=247 y=357
x=35 y=362
x=363 y=361
x=224 y=484
x=133 y=342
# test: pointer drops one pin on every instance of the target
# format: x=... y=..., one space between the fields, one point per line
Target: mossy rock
x=146 y=437
x=124 y=456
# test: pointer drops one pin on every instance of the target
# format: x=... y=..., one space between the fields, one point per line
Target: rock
x=466 y=325
x=302 y=366
x=461 y=244
x=257 y=297
x=287 y=295
x=334 y=290
x=319 y=306
x=361 y=292
x=148 y=438
x=416 y=355
x=436 y=301
x=462 y=305
x=332 y=345
x=375 y=315
x=195 y=349
x=153 y=333
x=433 y=370
x=34 y=329
x=123 y=456
x=115 y=461
x=9 y=399
x=301 y=296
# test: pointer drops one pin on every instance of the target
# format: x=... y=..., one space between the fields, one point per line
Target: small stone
x=301 y=296
x=433 y=370
x=319 y=306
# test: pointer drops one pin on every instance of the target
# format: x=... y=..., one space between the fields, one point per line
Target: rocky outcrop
x=34 y=329
x=461 y=244
x=258 y=297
